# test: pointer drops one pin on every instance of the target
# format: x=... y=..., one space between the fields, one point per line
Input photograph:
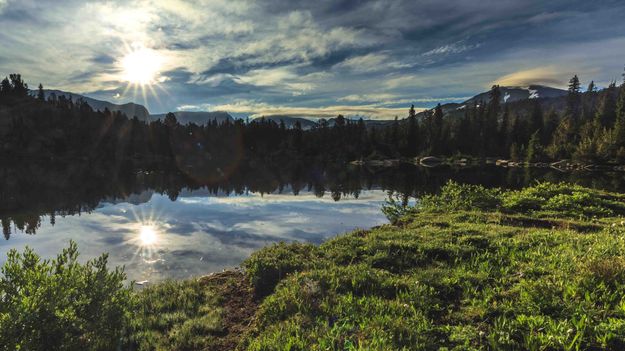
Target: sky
x=369 y=58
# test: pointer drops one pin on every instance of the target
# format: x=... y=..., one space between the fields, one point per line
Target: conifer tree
x=606 y=112
x=40 y=94
x=591 y=87
x=533 y=148
x=573 y=99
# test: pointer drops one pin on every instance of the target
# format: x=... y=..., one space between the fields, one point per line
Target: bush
x=60 y=304
x=462 y=197
x=395 y=208
x=265 y=268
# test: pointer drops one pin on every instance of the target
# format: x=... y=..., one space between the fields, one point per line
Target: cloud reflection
x=199 y=234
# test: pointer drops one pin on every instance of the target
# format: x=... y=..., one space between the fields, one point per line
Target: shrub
x=395 y=208
x=462 y=197
x=60 y=304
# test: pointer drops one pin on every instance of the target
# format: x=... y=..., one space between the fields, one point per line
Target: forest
x=586 y=126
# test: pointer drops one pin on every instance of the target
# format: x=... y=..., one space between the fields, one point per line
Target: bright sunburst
x=147 y=235
x=141 y=66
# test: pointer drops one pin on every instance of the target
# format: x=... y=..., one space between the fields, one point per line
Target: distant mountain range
x=130 y=109
x=508 y=95
x=186 y=117
x=142 y=113
x=289 y=121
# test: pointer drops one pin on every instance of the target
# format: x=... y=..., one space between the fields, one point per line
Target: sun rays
x=148 y=235
x=141 y=69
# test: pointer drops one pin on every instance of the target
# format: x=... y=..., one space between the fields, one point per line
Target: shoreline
x=462 y=162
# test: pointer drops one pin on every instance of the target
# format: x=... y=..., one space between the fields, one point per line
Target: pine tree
x=5 y=87
x=591 y=87
x=412 y=112
x=514 y=152
x=437 y=129
x=18 y=87
x=619 y=126
x=491 y=126
x=412 y=136
x=606 y=113
x=533 y=148
x=40 y=94
x=536 y=118
x=574 y=99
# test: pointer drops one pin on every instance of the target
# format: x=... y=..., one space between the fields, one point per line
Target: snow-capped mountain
x=512 y=94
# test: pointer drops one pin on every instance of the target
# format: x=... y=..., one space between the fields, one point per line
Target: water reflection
x=147 y=235
x=163 y=225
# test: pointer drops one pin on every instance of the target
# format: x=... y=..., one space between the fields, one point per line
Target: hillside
x=129 y=109
x=289 y=121
x=512 y=96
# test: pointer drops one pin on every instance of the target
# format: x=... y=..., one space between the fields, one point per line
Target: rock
x=502 y=163
x=430 y=161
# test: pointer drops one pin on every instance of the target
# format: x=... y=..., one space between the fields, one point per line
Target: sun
x=141 y=66
x=147 y=235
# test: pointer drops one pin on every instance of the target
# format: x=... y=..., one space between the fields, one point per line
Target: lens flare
x=141 y=66
x=147 y=235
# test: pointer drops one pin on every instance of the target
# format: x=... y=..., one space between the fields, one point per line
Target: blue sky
x=308 y=58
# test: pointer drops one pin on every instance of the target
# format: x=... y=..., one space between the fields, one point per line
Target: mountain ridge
x=509 y=94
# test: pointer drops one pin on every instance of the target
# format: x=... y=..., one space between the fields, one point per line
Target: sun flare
x=147 y=235
x=141 y=66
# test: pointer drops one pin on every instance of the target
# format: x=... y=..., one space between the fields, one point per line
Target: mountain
x=289 y=121
x=199 y=118
x=509 y=95
x=512 y=94
x=130 y=109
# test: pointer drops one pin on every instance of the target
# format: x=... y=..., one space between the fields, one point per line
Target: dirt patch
x=239 y=307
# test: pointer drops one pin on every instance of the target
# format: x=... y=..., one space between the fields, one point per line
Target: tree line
x=587 y=126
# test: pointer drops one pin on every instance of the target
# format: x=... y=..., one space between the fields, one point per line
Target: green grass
x=488 y=273
x=542 y=268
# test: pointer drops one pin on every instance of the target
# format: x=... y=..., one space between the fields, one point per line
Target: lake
x=168 y=225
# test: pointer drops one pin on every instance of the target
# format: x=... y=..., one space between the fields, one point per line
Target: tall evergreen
x=606 y=112
x=574 y=99
x=40 y=94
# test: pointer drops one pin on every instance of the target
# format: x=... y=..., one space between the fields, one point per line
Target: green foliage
x=461 y=281
x=270 y=265
x=470 y=269
x=542 y=199
x=456 y=197
x=396 y=207
x=175 y=316
x=61 y=304
x=563 y=200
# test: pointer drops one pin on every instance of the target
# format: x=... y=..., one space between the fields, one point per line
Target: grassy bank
x=468 y=269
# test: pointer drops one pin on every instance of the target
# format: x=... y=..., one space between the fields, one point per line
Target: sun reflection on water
x=148 y=239
x=147 y=235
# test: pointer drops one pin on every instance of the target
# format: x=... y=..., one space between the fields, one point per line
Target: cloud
x=370 y=63
x=259 y=109
x=314 y=55
x=451 y=49
x=548 y=75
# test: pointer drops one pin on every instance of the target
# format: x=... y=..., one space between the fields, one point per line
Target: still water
x=165 y=225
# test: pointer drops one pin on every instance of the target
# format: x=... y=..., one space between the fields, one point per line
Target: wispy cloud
x=259 y=109
x=319 y=55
